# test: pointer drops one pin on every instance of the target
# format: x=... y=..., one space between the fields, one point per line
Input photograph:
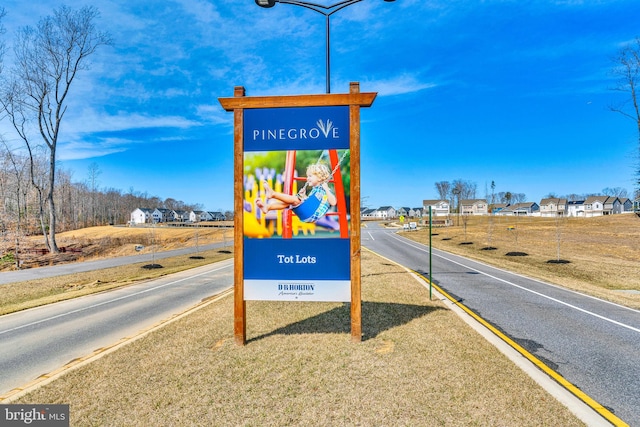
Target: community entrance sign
x=297 y=200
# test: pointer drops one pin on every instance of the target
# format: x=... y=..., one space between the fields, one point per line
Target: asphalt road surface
x=592 y=343
x=79 y=267
x=43 y=339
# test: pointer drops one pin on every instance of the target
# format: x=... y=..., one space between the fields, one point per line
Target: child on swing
x=317 y=177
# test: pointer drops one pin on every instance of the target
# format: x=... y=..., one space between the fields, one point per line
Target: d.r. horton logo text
x=325 y=129
x=296 y=287
x=34 y=415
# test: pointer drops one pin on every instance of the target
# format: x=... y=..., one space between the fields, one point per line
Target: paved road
x=43 y=339
x=592 y=343
x=79 y=267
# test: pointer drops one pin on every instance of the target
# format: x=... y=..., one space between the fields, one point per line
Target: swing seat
x=328 y=223
x=306 y=210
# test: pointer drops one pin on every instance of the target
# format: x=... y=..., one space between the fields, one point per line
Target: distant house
x=417 y=212
x=403 y=212
x=217 y=216
x=612 y=206
x=474 y=207
x=385 y=212
x=141 y=216
x=520 y=209
x=636 y=205
x=180 y=215
x=438 y=207
x=627 y=205
x=575 y=208
x=497 y=207
x=162 y=215
x=368 y=213
x=553 y=206
x=594 y=206
x=197 y=216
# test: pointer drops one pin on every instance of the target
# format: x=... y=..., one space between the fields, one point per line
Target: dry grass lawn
x=419 y=364
x=600 y=256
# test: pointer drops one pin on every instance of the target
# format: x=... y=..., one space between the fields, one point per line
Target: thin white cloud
x=202 y=11
x=397 y=85
x=78 y=150
x=91 y=121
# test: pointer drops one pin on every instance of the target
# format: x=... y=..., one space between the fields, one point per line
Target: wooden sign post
x=266 y=286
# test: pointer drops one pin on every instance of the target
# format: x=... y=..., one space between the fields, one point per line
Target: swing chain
x=303 y=191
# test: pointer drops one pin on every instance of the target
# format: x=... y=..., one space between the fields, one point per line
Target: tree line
x=460 y=189
x=77 y=204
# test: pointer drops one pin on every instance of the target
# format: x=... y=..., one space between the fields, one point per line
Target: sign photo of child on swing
x=308 y=186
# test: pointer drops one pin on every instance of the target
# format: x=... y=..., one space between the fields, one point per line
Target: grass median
x=418 y=364
x=33 y=293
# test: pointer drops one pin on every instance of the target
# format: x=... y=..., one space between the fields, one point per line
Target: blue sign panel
x=297 y=259
x=307 y=257
x=306 y=128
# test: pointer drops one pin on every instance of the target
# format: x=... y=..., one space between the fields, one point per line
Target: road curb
x=581 y=405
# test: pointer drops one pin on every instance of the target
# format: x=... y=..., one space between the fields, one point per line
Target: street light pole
x=327 y=11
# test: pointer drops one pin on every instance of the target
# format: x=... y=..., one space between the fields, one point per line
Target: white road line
x=110 y=301
x=615 y=322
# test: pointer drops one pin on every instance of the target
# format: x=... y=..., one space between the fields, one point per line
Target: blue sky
x=513 y=92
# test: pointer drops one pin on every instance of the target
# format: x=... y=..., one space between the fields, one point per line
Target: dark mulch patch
x=517 y=254
x=152 y=266
x=435 y=234
x=465 y=243
x=224 y=251
x=446 y=238
x=196 y=257
x=558 y=261
x=488 y=248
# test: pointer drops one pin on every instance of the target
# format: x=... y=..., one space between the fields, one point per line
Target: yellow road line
x=604 y=412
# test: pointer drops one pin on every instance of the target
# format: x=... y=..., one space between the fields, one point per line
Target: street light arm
x=320 y=8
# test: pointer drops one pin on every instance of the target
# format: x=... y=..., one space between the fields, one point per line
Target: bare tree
x=94 y=172
x=615 y=192
x=2 y=44
x=505 y=197
x=560 y=221
x=627 y=72
x=518 y=197
x=492 y=202
x=48 y=59
x=443 y=188
x=466 y=189
x=14 y=195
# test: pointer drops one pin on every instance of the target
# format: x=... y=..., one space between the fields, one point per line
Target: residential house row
x=158 y=215
x=548 y=207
